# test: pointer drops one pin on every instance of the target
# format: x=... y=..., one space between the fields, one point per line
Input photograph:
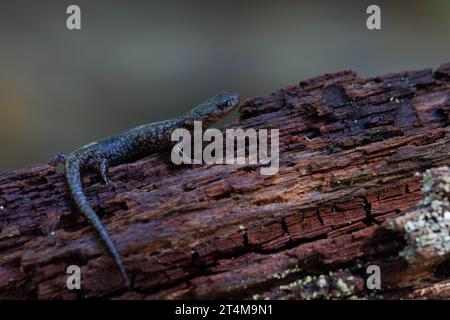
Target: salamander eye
x=224 y=105
x=226 y=101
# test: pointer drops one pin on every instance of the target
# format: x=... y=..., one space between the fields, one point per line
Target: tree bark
x=344 y=198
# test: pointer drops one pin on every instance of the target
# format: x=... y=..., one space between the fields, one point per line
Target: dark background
x=141 y=61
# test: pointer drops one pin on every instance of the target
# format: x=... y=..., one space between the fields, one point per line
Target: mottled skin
x=130 y=145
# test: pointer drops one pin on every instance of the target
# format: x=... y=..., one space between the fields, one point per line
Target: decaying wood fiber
x=346 y=196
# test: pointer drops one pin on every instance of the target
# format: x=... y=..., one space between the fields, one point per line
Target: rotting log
x=346 y=187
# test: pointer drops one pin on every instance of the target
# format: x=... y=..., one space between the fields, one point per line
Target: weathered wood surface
x=349 y=149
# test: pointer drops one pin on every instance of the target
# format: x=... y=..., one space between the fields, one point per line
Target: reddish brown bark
x=349 y=149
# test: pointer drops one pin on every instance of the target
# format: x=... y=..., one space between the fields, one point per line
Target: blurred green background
x=141 y=61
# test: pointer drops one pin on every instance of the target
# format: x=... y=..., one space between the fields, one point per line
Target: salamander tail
x=73 y=166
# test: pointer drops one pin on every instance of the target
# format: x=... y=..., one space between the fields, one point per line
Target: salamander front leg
x=59 y=158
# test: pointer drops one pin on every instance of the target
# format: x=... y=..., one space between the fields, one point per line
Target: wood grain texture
x=349 y=151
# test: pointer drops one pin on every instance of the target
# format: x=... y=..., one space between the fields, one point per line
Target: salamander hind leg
x=104 y=173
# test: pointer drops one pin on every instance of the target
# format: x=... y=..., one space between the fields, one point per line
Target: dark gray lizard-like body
x=130 y=145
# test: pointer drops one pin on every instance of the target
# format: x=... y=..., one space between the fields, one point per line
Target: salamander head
x=214 y=108
x=225 y=101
